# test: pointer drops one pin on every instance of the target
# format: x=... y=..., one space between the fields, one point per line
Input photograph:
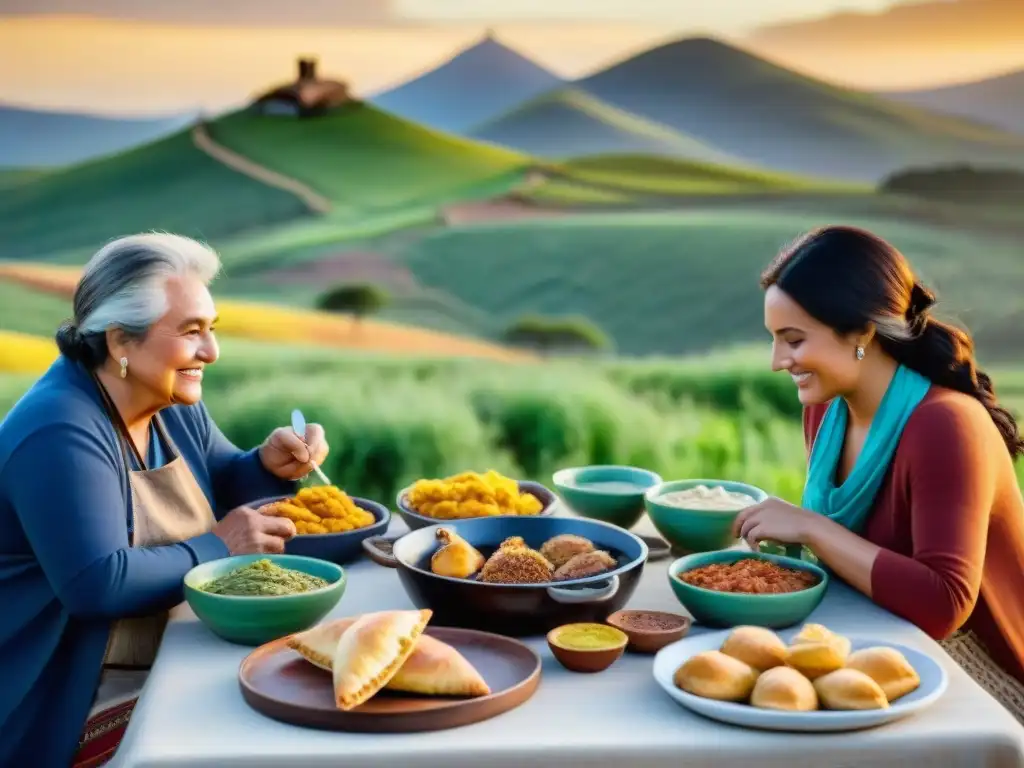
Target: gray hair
x=124 y=286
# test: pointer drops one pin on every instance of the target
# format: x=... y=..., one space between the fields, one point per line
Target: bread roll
x=812 y=633
x=759 y=647
x=849 y=689
x=817 y=633
x=887 y=667
x=786 y=689
x=713 y=675
x=813 y=660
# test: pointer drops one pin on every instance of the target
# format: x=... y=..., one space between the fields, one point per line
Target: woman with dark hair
x=911 y=495
x=114 y=483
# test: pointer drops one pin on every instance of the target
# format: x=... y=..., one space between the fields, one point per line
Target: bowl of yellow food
x=587 y=647
x=330 y=525
x=469 y=495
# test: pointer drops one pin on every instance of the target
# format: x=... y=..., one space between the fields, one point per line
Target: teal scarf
x=850 y=503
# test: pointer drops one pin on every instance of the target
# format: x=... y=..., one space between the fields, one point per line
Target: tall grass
x=392 y=420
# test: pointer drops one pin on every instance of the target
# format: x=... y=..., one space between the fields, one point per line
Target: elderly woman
x=114 y=482
x=911 y=495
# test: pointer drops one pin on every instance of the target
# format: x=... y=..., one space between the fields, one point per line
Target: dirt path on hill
x=236 y=162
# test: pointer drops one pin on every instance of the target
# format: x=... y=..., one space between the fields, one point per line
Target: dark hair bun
x=89 y=350
x=69 y=341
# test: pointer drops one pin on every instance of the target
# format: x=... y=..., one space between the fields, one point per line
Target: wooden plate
x=280 y=684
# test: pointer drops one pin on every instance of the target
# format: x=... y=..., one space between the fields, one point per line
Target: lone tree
x=356 y=299
x=557 y=334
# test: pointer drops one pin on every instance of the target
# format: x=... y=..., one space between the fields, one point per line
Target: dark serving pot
x=415 y=520
x=337 y=548
x=517 y=609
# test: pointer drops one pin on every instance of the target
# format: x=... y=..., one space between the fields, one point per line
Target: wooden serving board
x=280 y=684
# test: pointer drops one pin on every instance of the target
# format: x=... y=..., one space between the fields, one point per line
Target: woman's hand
x=285 y=455
x=245 y=531
x=775 y=520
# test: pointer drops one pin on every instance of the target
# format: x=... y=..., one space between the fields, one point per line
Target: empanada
x=757 y=646
x=815 y=659
x=437 y=669
x=783 y=688
x=371 y=651
x=848 y=689
x=433 y=667
x=887 y=667
x=713 y=675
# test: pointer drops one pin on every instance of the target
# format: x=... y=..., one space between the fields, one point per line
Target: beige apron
x=167 y=507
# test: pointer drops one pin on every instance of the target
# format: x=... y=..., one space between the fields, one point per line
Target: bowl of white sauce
x=697 y=515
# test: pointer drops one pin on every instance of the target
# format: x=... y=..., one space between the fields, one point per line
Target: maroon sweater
x=950 y=521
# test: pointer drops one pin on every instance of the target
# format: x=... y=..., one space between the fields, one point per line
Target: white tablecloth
x=192 y=712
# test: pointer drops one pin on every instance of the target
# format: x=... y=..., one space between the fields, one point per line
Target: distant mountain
x=777 y=118
x=475 y=86
x=32 y=138
x=996 y=101
x=570 y=123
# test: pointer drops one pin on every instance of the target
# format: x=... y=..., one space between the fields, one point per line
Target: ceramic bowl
x=731 y=609
x=610 y=493
x=696 y=530
x=650 y=640
x=339 y=548
x=415 y=520
x=589 y=659
x=259 y=619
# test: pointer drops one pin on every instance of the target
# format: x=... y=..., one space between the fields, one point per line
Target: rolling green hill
x=366 y=160
x=570 y=123
x=774 y=117
x=682 y=282
x=647 y=175
x=168 y=185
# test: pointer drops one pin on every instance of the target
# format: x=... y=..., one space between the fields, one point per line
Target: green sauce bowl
x=731 y=609
x=257 y=619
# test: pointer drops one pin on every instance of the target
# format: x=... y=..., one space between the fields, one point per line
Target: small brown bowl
x=587 y=659
x=644 y=640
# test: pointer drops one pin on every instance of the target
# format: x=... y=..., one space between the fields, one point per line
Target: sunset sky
x=131 y=56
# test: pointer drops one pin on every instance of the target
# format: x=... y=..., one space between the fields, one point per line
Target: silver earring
x=124 y=367
x=860 y=353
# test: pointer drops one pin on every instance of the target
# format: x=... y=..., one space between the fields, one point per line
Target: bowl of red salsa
x=733 y=587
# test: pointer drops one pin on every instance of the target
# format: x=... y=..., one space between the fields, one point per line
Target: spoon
x=299 y=427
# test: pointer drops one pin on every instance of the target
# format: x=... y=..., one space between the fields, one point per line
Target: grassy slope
x=369 y=161
x=570 y=123
x=168 y=185
x=772 y=116
x=651 y=175
x=37 y=298
x=686 y=281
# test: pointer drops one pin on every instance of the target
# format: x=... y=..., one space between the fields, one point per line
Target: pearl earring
x=860 y=353
x=124 y=367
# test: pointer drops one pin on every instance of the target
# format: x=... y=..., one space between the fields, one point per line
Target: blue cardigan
x=66 y=567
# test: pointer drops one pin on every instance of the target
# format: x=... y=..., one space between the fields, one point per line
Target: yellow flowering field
x=23 y=353
x=270 y=322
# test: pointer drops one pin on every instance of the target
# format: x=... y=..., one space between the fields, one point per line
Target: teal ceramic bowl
x=731 y=609
x=257 y=620
x=696 y=530
x=610 y=493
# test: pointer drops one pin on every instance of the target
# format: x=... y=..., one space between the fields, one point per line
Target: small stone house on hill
x=307 y=96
